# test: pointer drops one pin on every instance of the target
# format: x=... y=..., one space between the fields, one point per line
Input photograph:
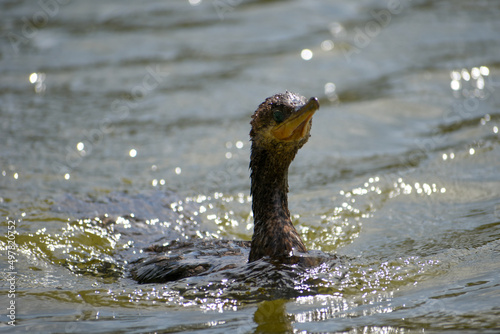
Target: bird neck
x=274 y=234
x=269 y=185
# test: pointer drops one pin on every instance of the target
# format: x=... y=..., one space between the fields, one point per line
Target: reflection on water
x=475 y=77
x=126 y=125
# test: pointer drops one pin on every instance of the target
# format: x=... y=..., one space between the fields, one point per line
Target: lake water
x=142 y=110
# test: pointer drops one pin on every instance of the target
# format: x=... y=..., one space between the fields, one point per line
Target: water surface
x=141 y=111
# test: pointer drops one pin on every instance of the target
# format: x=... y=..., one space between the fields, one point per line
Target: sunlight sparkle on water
x=475 y=73
x=455 y=75
x=33 y=77
x=38 y=80
x=335 y=28
x=470 y=82
x=157 y=182
x=455 y=85
x=306 y=54
x=485 y=119
x=480 y=83
x=465 y=74
x=330 y=88
x=401 y=187
x=330 y=91
x=327 y=45
x=484 y=70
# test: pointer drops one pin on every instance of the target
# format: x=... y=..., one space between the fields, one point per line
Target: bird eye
x=278 y=116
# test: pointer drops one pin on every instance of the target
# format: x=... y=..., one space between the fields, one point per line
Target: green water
x=142 y=110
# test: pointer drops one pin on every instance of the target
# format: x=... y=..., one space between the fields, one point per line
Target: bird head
x=283 y=121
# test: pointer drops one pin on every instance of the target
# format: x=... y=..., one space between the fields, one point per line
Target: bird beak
x=298 y=125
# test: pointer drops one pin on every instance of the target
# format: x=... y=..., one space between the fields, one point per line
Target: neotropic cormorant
x=280 y=127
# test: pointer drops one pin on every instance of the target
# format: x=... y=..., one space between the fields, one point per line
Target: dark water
x=141 y=110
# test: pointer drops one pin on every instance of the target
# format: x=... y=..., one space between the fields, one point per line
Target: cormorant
x=280 y=127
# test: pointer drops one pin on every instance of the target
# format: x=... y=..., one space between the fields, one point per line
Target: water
x=143 y=109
